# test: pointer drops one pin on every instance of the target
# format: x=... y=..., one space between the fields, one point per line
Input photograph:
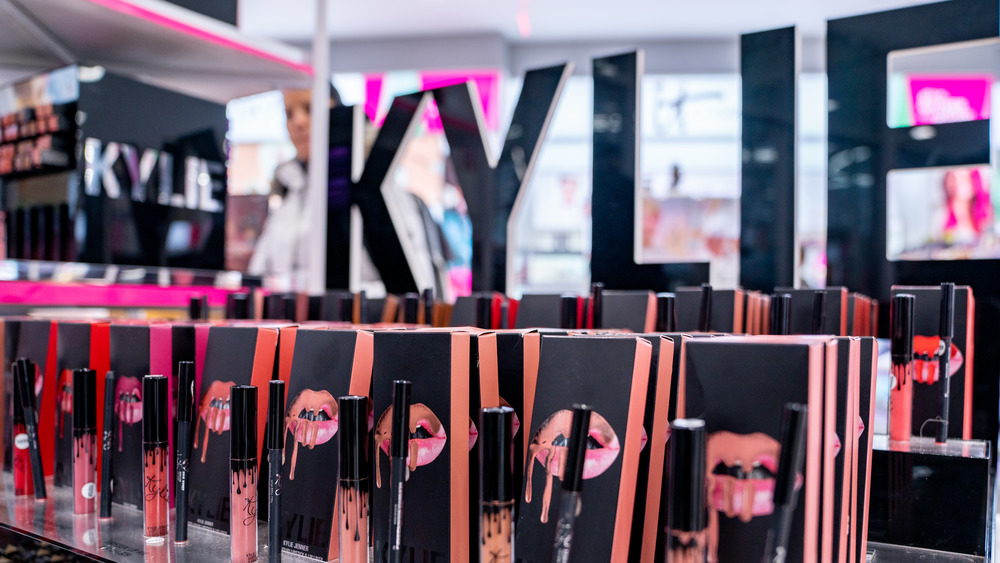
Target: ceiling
x=550 y=20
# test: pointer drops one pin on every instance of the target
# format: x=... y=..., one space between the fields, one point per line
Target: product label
x=21 y=441
x=88 y=490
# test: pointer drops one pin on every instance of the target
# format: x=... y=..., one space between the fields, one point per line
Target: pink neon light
x=124 y=7
x=85 y=295
x=949 y=99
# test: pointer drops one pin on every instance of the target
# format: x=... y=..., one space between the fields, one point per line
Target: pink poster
x=949 y=99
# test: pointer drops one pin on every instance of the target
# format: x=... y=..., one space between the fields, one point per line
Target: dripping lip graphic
x=602 y=444
x=214 y=408
x=313 y=418
x=426 y=433
x=741 y=473
x=128 y=400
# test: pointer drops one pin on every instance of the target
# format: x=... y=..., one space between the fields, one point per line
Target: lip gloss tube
x=185 y=414
x=901 y=347
x=23 y=484
x=355 y=473
x=24 y=369
x=596 y=305
x=666 y=312
x=400 y=449
x=427 y=299
x=243 y=473
x=156 y=486
x=84 y=440
x=946 y=332
x=572 y=483
x=496 y=490
x=107 y=441
x=686 y=536
x=275 y=449
x=793 y=442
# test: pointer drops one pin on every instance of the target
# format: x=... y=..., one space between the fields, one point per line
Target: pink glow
x=85 y=295
x=487 y=86
x=948 y=99
x=129 y=9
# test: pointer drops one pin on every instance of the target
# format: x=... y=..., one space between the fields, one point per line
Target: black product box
x=35 y=340
x=739 y=387
x=318 y=366
x=926 y=395
x=436 y=517
x=726 y=313
x=631 y=310
x=235 y=355
x=835 y=310
x=577 y=369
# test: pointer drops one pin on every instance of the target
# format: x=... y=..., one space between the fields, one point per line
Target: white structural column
x=318 y=140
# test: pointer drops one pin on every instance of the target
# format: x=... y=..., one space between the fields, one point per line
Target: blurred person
x=282 y=251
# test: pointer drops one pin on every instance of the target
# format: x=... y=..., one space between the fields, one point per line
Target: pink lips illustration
x=312 y=420
x=426 y=441
x=128 y=403
x=741 y=471
x=213 y=412
x=549 y=447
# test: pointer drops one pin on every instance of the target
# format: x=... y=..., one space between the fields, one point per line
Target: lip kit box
x=739 y=386
x=317 y=366
x=79 y=345
x=235 y=355
x=726 y=310
x=577 y=369
x=137 y=350
x=926 y=396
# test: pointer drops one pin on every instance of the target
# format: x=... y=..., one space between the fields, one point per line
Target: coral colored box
x=318 y=366
x=235 y=355
x=581 y=369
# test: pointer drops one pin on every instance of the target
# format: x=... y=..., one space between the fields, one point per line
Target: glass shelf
x=116 y=540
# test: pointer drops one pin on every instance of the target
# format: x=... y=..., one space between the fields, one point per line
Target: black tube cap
x=238 y=306
x=185 y=391
x=781 y=313
x=400 y=419
x=17 y=414
x=411 y=306
x=666 y=312
x=154 y=408
x=793 y=434
x=496 y=454
x=289 y=307
x=345 y=308
x=25 y=371
x=597 y=304
x=427 y=299
x=484 y=310
x=567 y=311
x=687 y=474
x=198 y=308
x=572 y=479
x=819 y=312
x=353 y=433
x=84 y=399
x=901 y=334
x=276 y=415
x=705 y=311
x=363 y=306
x=947 y=326
x=243 y=422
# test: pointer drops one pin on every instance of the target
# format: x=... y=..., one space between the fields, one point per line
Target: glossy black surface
x=490 y=192
x=863 y=149
x=931 y=497
x=615 y=154
x=768 y=66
